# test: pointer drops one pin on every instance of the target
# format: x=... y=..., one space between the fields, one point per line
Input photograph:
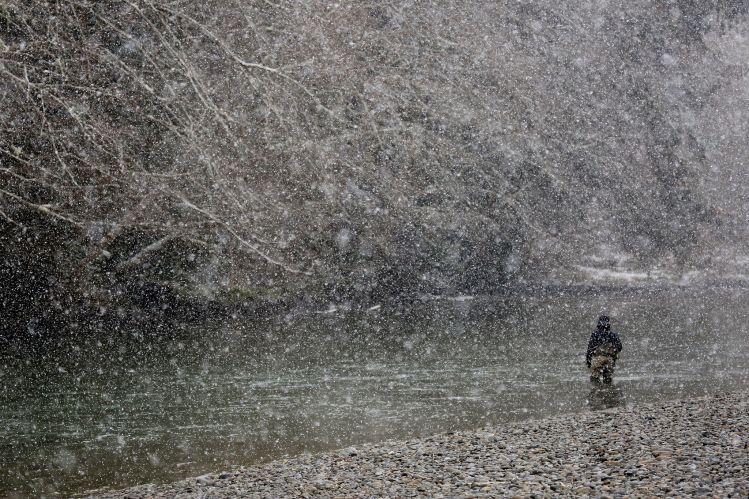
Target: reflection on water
x=117 y=409
x=605 y=396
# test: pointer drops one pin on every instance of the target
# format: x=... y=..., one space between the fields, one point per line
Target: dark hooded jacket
x=603 y=339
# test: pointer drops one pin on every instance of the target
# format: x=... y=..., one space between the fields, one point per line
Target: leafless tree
x=357 y=150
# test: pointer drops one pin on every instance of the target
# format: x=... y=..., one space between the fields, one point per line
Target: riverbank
x=678 y=448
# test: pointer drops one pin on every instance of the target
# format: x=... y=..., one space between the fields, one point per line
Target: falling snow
x=232 y=232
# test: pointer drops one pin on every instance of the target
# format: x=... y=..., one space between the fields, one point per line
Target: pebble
x=680 y=448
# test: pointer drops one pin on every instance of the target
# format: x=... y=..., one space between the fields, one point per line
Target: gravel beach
x=677 y=448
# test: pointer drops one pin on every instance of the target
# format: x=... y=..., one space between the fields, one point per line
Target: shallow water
x=119 y=409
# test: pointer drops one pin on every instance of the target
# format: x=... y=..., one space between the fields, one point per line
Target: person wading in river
x=603 y=349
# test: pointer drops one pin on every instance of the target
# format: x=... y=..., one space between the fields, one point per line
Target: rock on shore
x=679 y=448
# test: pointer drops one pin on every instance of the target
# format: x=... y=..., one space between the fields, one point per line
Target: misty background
x=154 y=154
x=236 y=230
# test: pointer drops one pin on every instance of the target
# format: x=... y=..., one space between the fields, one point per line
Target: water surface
x=118 y=408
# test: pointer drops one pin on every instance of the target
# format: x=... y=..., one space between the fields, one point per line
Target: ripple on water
x=171 y=419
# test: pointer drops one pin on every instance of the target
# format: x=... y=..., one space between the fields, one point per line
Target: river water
x=117 y=408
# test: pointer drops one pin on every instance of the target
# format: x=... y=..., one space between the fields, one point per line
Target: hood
x=604 y=323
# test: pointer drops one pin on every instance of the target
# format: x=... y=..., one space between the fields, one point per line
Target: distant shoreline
x=165 y=322
x=684 y=448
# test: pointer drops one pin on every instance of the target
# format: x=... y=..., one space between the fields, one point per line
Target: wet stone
x=656 y=450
